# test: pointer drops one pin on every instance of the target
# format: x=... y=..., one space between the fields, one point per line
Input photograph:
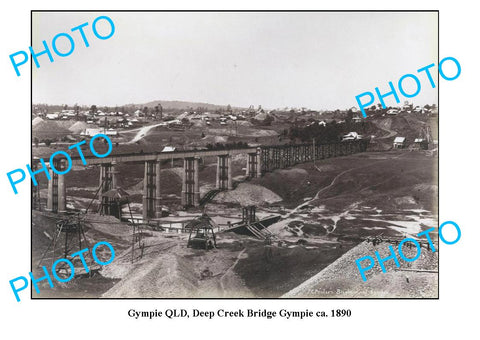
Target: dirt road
x=390 y=134
x=143 y=132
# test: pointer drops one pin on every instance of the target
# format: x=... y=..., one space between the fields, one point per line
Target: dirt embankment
x=168 y=269
x=248 y=194
x=342 y=279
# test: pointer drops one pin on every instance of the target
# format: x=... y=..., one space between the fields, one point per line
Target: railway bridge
x=259 y=160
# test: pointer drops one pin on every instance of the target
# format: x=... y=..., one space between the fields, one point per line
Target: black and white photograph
x=211 y=170
x=223 y=154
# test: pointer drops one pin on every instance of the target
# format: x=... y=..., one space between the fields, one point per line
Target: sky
x=318 y=60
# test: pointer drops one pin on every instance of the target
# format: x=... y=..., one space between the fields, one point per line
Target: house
x=55 y=115
x=356 y=119
x=399 y=142
x=351 y=136
x=111 y=132
x=407 y=107
x=392 y=112
x=92 y=131
x=168 y=149
x=420 y=144
x=323 y=123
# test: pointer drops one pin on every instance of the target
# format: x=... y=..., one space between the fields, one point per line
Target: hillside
x=181 y=105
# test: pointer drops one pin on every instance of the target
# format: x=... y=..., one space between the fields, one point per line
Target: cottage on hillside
x=420 y=144
x=399 y=142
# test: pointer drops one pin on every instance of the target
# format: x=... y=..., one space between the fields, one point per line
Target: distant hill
x=181 y=105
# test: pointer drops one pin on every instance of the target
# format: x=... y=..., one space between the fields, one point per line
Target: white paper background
x=454 y=315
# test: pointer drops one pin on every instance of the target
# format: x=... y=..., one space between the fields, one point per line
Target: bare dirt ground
x=418 y=279
x=327 y=209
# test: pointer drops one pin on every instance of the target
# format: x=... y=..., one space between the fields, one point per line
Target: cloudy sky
x=319 y=60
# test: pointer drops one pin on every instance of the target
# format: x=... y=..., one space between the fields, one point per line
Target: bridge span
x=260 y=160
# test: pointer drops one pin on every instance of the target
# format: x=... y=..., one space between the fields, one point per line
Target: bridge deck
x=157 y=156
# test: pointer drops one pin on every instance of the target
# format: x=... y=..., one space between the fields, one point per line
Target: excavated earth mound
x=342 y=279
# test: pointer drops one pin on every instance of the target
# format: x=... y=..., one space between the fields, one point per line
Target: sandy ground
x=248 y=194
x=169 y=269
x=342 y=279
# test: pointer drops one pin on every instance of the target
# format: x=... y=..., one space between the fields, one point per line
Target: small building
x=92 y=131
x=111 y=132
x=52 y=116
x=351 y=136
x=392 y=112
x=399 y=142
x=168 y=149
x=420 y=144
x=356 y=119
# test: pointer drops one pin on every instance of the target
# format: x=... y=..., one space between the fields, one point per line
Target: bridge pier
x=318 y=152
x=251 y=165
x=281 y=157
x=258 y=173
x=257 y=163
x=308 y=152
x=275 y=158
x=158 y=205
x=302 y=154
x=151 y=203
x=56 y=194
x=224 y=172
x=287 y=156
x=190 y=183
x=148 y=196
x=52 y=198
x=62 y=190
x=114 y=172
x=266 y=160
x=106 y=184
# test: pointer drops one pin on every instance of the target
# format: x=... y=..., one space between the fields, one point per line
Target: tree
x=93 y=109
x=35 y=140
x=158 y=111
x=349 y=117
